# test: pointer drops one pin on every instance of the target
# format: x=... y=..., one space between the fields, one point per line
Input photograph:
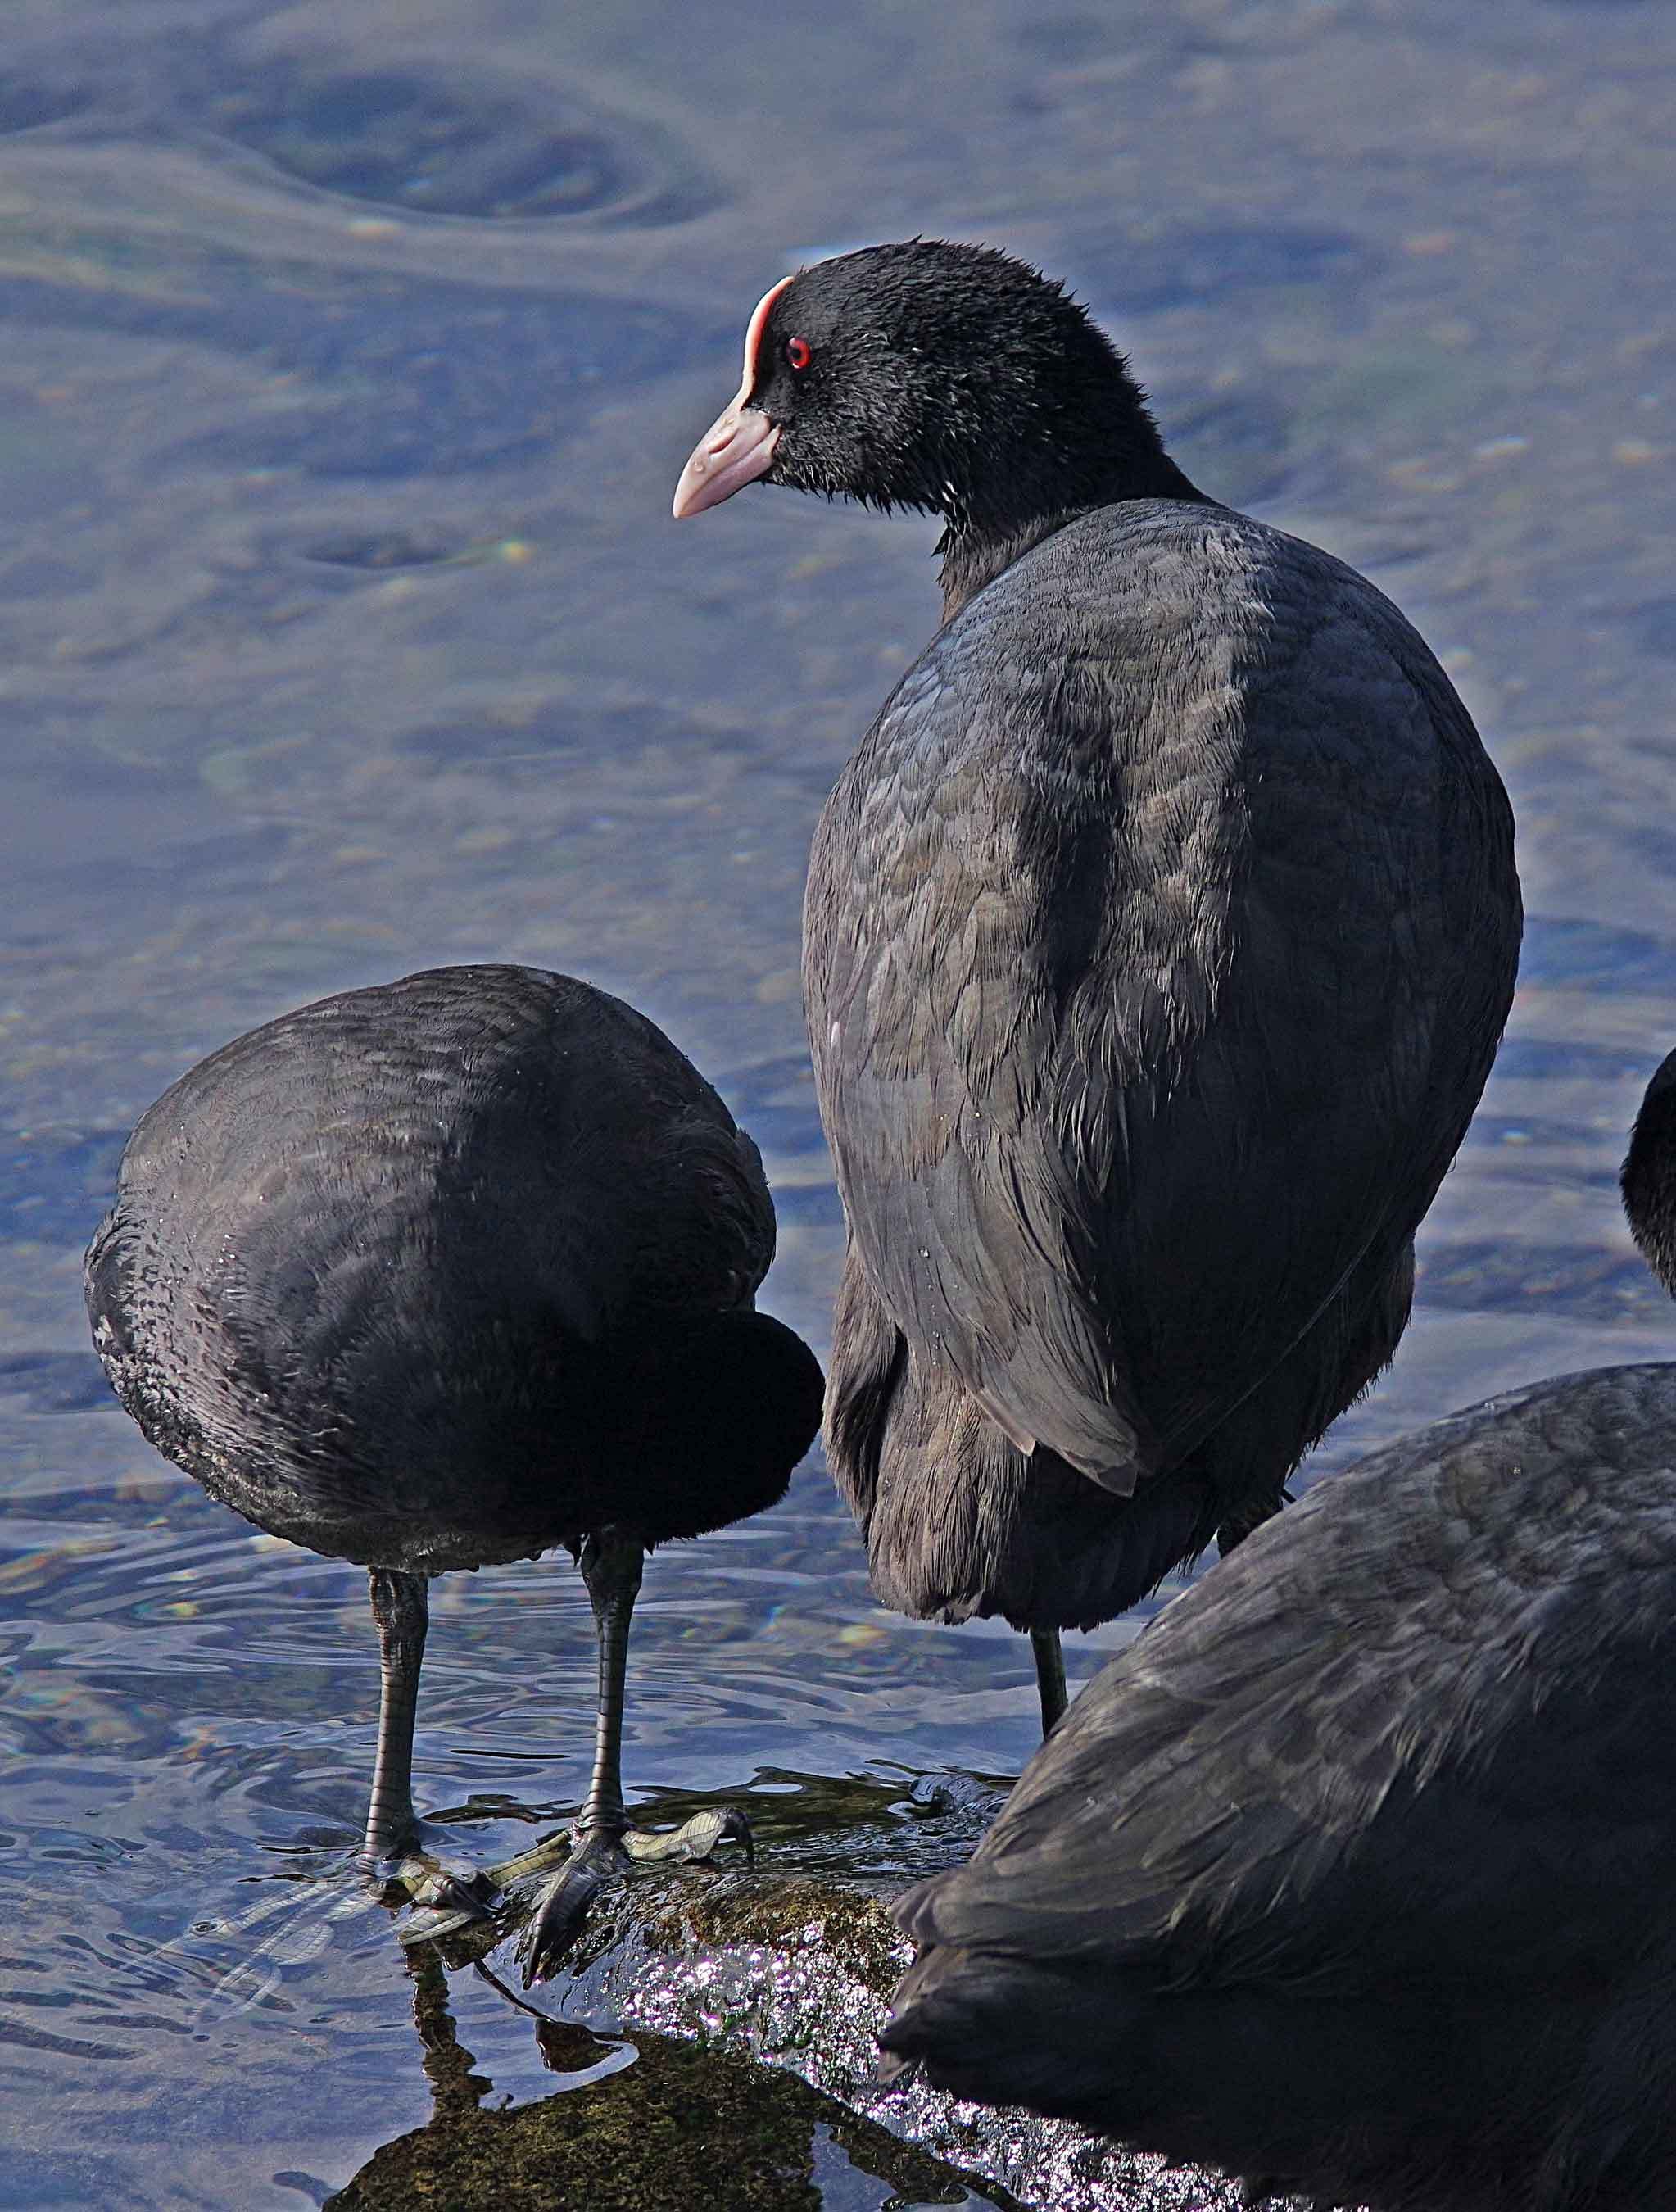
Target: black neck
x=973 y=553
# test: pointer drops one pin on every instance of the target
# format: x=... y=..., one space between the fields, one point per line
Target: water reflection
x=650 y=2121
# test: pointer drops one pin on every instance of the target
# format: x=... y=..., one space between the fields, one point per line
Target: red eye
x=798 y=353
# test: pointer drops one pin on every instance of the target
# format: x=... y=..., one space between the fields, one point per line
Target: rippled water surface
x=349 y=356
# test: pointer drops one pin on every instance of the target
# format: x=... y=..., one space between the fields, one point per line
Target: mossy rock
x=790 y=1912
x=680 y=2129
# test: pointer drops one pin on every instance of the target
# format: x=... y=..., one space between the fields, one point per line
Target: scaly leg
x=1049 y=1675
x=402 y=1610
x=611 y=1562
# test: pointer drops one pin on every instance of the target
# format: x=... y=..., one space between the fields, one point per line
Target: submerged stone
x=669 y=2126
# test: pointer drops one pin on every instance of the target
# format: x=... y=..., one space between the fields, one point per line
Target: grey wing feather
x=952 y=1152
x=1431 y=1702
x=1122 y=867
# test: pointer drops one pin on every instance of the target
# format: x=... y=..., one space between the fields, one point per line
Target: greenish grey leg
x=604 y=1845
x=401 y=1608
x=1049 y=1675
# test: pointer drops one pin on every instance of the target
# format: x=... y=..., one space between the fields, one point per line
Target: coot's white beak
x=736 y=449
x=738 y=445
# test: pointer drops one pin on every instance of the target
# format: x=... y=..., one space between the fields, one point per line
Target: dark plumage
x=1352 y=1875
x=445 y=1272
x=1157 y=942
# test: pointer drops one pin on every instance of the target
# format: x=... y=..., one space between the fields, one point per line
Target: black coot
x=1352 y=1875
x=445 y=1273
x=1157 y=942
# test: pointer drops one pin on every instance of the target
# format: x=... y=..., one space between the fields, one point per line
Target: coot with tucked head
x=1352 y=1875
x=1157 y=942
x=445 y=1273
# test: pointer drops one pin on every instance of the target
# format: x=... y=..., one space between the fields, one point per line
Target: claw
x=471 y=1894
x=696 y=1838
x=443 y=1898
x=442 y=1906
x=598 y=1855
x=558 y=1918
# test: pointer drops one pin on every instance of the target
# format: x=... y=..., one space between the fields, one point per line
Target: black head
x=717 y=1417
x=1648 y=1180
x=948 y=378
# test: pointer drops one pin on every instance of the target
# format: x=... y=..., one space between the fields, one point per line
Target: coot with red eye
x=1158 y=941
x=1352 y=1875
x=448 y=1271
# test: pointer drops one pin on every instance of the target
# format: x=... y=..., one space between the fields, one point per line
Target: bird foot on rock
x=444 y=1900
x=696 y=1838
x=596 y=1855
x=451 y=1896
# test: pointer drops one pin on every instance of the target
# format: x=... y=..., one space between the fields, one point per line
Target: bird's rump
x=459 y=1206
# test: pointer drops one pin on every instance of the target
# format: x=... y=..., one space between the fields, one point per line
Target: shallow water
x=349 y=357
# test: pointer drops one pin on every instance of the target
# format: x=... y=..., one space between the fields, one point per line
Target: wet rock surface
x=799 y=1973
x=654 y=2122
x=759 y=1975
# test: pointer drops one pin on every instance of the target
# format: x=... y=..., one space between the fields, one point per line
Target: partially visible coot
x=1352 y=1875
x=1157 y=942
x=448 y=1271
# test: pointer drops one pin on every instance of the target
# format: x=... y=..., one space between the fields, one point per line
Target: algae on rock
x=677 y=2129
